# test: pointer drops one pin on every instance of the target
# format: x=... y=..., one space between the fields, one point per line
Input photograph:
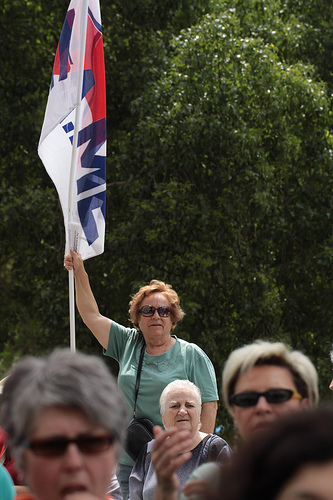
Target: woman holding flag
x=154 y=311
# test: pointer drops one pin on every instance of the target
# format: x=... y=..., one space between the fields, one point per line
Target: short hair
x=173 y=386
x=64 y=379
x=266 y=463
x=156 y=286
x=270 y=353
x=331 y=356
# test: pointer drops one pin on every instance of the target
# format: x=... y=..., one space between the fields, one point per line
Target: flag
x=72 y=144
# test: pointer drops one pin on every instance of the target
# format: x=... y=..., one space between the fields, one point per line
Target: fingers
x=157 y=430
x=196 y=487
x=171 y=440
x=170 y=451
x=68 y=262
x=73 y=261
x=200 y=489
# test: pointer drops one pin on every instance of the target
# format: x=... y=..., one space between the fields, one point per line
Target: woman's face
x=155 y=327
x=311 y=482
x=253 y=419
x=182 y=410
x=73 y=472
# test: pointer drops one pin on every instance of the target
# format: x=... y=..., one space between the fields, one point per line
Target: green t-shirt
x=183 y=361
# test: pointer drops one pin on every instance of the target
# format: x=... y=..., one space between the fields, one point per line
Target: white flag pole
x=71 y=197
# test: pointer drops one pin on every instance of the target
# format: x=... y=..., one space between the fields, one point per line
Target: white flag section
x=72 y=145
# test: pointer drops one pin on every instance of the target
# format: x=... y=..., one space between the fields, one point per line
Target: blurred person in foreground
x=261 y=382
x=6 y=458
x=65 y=421
x=7 y=490
x=291 y=461
x=180 y=405
x=154 y=312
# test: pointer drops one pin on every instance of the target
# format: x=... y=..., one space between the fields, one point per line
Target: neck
x=155 y=348
x=197 y=438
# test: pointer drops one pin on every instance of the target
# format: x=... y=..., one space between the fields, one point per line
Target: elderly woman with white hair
x=180 y=406
x=66 y=423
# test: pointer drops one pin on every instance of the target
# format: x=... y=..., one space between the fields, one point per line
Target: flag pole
x=71 y=287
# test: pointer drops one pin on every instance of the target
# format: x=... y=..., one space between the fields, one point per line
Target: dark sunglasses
x=163 y=311
x=58 y=446
x=273 y=396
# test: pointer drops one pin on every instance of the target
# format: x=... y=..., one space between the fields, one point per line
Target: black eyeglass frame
x=163 y=311
x=57 y=446
x=287 y=394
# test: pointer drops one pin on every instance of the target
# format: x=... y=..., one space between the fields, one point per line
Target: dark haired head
x=264 y=466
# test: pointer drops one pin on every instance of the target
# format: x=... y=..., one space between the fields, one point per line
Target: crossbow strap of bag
x=138 y=376
x=140 y=429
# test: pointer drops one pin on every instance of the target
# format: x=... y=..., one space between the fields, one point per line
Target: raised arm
x=85 y=300
x=208 y=417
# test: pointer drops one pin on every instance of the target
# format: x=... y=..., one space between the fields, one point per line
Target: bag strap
x=214 y=449
x=138 y=376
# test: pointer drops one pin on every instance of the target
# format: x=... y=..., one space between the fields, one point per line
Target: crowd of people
x=261 y=383
x=64 y=417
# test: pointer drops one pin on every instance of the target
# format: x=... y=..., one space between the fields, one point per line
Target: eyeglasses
x=273 y=396
x=163 y=311
x=58 y=446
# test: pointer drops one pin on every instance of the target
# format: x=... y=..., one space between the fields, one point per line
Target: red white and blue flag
x=72 y=145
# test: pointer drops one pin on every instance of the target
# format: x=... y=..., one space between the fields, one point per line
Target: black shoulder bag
x=140 y=429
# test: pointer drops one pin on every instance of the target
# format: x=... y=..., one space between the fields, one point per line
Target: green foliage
x=33 y=287
x=231 y=201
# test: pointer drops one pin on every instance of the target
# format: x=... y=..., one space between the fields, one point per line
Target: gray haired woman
x=65 y=421
x=180 y=405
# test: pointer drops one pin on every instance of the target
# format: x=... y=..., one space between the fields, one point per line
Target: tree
x=232 y=193
x=33 y=288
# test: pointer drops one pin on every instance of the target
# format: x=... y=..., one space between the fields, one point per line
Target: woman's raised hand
x=73 y=261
